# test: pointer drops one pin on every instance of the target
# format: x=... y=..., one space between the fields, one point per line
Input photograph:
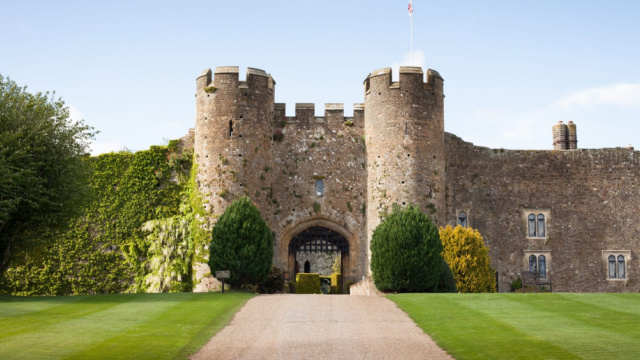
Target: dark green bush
x=405 y=252
x=274 y=283
x=308 y=283
x=292 y=287
x=446 y=283
x=242 y=242
x=516 y=284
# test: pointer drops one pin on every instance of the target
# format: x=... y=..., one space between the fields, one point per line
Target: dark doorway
x=307 y=267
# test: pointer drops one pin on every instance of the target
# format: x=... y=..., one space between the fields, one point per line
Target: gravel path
x=320 y=327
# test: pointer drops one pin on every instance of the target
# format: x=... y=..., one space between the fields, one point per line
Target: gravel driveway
x=320 y=327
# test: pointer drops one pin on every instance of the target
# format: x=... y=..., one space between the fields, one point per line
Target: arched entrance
x=318 y=240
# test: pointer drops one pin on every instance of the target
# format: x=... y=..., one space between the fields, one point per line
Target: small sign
x=225 y=274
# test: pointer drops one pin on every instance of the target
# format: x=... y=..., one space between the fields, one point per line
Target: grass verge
x=531 y=326
x=135 y=326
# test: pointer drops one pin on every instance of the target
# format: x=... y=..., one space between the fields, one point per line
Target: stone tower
x=404 y=129
x=234 y=127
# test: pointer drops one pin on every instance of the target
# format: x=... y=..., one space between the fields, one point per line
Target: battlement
x=333 y=115
x=229 y=77
x=409 y=77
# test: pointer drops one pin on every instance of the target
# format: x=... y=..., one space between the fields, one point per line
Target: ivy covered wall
x=140 y=231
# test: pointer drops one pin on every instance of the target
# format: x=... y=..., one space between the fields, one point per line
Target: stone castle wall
x=590 y=197
x=394 y=150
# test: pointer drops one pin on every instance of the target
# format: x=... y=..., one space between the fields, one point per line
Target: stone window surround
x=467 y=212
x=525 y=218
x=537 y=253
x=627 y=258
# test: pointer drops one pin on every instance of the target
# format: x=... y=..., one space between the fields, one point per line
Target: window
x=230 y=128
x=616 y=261
x=532 y=225
x=536 y=223
x=533 y=263
x=462 y=219
x=319 y=188
x=540 y=225
x=538 y=262
x=542 y=266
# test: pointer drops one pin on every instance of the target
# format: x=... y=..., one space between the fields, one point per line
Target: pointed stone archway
x=320 y=235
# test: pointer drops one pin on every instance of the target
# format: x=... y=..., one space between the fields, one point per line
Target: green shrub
x=516 y=284
x=347 y=287
x=405 y=252
x=336 y=283
x=308 y=283
x=292 y=287
x=446 y=283
x=274 y=282
x=468 y=257
x=242 y=242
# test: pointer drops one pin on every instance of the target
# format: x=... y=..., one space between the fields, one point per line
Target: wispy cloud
x=419 y=59
x=532 y=129
x=616 y=94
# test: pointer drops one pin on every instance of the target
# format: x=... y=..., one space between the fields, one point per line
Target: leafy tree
x=405 y=252
x=446 y=283
x=42 y=172
x=242 y=242
x=468 y=257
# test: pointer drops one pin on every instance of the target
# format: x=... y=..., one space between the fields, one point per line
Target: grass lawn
x=136 y=326
x=532 y=326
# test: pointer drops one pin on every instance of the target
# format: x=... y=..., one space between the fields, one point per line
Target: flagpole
x=411 y=16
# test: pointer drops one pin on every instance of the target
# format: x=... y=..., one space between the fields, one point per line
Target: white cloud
x=104 y=147
x=419 y=59
x=532 y=129
x=616 y=94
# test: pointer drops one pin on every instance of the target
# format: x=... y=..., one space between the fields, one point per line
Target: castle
x=323 y=184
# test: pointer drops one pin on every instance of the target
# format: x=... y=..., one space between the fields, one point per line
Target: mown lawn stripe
x=518 y=326
x=468 y=333
x=142 y=326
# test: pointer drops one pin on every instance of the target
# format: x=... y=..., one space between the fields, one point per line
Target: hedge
x=308 y=283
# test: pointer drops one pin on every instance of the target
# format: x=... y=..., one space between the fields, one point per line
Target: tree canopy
x=242 y=242
x=42 y=172
x=468 y=257
x=405 y=252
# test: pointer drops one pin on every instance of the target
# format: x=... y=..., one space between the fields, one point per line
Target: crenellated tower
x=404 y=129
x=233 y=137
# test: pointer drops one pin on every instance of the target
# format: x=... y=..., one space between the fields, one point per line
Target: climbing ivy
x=140 y=230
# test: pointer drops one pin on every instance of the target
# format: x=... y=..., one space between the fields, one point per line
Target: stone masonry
x=345 y=174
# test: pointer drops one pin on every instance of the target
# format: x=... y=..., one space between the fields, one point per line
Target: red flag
x=410 y=9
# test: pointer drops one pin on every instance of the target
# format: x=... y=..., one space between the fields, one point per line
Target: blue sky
x=512 y=69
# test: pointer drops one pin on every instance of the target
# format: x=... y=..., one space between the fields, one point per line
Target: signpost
x=221 y=275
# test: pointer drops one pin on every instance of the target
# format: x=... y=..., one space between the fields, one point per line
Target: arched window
x=533 y=263
x=319 y=188
x=462 y=219
x=540 y=225
x=612 y=267
x=532 y=225
x=621 y=272
x=542 y=266
x=307 y=267
x=230 y=128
